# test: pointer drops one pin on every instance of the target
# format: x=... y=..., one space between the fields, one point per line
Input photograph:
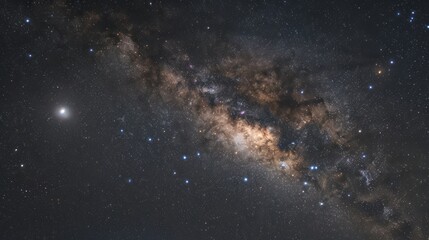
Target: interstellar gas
x=262 y=105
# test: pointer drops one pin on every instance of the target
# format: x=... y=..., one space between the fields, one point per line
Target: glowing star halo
x=63 y=113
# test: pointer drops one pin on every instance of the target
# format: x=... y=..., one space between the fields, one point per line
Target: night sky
x=296 y=119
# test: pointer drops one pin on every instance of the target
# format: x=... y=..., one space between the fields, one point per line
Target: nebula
x=262 y=105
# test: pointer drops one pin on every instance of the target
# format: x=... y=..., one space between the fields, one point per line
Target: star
x=63 y=112
x=184 y=157
x=245 y=179
x=370 y=87
x=27 y=20
x=186 y=181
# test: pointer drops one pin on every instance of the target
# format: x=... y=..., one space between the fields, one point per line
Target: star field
x=214 y=120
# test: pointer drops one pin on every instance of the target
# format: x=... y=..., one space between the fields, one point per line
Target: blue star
x=370 y=87
x=186 y=181
x=392 y=62
x=122 y=130
x=130 y=180
x=27 y=20
x=184 y=157
x=30 y=55
x=150 y=139
x=91 y=50
x=245 y=179
x=198 y=154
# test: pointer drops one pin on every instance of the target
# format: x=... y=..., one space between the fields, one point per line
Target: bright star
x=245 y=179
x=27 y=20
x=63 y=112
